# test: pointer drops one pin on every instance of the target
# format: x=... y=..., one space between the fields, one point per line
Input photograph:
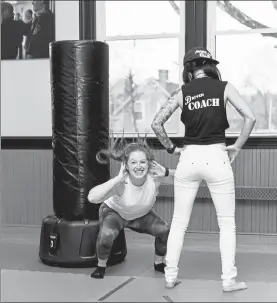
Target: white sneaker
x=235 y=286
x=172 y=284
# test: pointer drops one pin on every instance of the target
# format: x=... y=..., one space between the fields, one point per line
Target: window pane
x=145 y=71
x=249 y=62
x=138 y=116
x=235 y=17
x=138 y=108
x=141 y=17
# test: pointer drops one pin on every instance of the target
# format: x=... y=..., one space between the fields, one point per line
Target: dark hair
x=120 y=150
x=29 y=11
x=210 y=69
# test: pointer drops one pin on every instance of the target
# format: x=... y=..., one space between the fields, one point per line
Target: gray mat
x=152 y=290
x=33 y=286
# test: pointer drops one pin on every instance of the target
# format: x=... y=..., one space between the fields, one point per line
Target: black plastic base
x=73 y=243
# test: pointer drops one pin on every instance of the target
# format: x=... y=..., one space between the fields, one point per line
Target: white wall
x=25 y=84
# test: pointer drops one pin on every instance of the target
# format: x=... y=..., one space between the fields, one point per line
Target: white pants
x=209 y=163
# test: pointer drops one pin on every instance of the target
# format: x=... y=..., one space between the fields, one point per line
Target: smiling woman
x=128 y=200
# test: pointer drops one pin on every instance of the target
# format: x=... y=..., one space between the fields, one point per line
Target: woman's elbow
x=155 y=125
x=251 y=118
x=92 y=199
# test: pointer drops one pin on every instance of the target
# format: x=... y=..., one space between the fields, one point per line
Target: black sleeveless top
x=204 y=113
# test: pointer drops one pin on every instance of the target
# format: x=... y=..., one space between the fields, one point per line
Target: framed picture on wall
x=27 y=29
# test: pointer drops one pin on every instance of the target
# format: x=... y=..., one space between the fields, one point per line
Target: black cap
x=198 y=53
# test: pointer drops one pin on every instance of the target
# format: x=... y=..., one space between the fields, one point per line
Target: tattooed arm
x=163 y=115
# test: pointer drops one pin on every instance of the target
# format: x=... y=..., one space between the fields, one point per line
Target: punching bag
x=80 y=128
x=80 y=119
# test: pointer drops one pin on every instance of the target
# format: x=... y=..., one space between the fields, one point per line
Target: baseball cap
x=198 y=53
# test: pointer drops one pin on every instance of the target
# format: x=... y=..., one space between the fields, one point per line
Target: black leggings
x=111 y=223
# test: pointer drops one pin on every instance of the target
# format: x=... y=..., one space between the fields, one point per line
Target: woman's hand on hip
x=178 y=151
x=233 y=151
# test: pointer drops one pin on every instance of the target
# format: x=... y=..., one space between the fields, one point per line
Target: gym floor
x=25 y=279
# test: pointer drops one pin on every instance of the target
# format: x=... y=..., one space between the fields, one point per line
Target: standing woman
x=204 y=156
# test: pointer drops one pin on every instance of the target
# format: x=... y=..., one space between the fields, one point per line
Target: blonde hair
x=120 y=150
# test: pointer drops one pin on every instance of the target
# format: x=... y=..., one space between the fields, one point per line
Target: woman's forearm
x=98 y=193
x=245 y=132
x=161 y=134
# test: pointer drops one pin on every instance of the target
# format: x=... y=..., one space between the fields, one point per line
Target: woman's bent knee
x=106 y=238
x=162 y=229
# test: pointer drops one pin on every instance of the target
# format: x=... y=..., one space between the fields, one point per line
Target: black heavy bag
x=73 y=243
x=80 y=117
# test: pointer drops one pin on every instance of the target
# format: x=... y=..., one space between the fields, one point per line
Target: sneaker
x=159 y=267
x=235 y=286
x=172 y=283
x=99 y=272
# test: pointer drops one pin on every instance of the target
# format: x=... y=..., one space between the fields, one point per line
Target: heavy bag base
x=73 y=243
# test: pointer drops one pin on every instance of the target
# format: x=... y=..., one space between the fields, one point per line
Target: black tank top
x=204 y=113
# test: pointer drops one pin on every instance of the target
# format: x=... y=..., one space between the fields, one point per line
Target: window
x=139 y=111
x=146 y=47
x=243 y=37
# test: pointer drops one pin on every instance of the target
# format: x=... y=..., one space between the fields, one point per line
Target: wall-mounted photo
x=27 y=29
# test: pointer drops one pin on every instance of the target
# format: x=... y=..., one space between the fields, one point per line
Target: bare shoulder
x=177 y=95
x=230 y=90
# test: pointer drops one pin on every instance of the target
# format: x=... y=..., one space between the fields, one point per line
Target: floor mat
x=34 y=286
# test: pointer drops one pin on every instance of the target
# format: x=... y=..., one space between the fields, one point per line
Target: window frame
x=212 y=32
x=101 y=36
